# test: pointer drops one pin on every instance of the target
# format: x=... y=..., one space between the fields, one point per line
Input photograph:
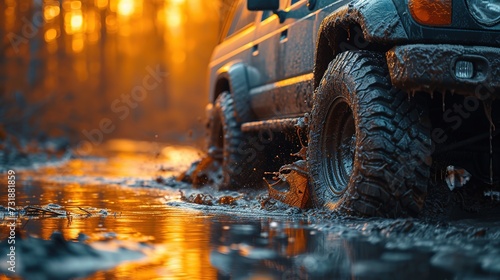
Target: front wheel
x=369 y=145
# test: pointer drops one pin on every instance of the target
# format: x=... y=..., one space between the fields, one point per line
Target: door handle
x=255 y=50
x=284 y=36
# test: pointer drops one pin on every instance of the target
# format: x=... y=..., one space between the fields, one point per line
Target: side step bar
x=276 y=125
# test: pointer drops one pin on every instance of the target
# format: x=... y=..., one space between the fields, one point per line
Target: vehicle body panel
x=282 y=63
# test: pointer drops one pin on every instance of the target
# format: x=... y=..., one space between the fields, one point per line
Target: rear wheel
x=237 y=152
x=369 y=144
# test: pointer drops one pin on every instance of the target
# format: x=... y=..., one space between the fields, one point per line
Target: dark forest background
x=63 y=64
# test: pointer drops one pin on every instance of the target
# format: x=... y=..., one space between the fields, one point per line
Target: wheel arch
x=236 y=78
x=377 y=22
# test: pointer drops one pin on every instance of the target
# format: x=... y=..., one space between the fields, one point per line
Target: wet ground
x=118 y=215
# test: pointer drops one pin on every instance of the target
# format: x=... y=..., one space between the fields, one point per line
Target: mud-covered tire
x=241 y=162
x=383 y=168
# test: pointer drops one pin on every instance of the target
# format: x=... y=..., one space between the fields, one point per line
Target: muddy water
x=244 y=242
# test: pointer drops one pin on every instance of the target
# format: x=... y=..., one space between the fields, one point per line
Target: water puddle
x=138 y=223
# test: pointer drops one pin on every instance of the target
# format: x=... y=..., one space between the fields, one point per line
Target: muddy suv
x=375 y=94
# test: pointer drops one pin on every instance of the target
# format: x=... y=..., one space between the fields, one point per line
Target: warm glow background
x=63 y=63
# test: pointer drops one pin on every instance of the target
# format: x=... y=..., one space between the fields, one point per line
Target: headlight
x=485 y=11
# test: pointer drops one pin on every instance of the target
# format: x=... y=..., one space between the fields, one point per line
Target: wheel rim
x=338 y=146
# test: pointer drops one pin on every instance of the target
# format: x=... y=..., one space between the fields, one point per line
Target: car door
x=266 y=54
x=297 y=59
x=287 y=49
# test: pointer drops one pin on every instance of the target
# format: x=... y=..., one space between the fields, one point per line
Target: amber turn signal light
x=431 y=12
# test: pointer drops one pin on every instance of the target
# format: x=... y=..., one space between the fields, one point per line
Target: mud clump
x=210 y=200
x=227 y=200
x=293 y=178
x=206 y=171
x=52 y=210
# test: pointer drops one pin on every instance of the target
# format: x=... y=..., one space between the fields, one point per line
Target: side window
x=242 y=17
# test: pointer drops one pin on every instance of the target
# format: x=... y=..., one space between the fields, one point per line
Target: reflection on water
x=134 y=214
x=140 y=217
x=130 y=162
x=262 y=251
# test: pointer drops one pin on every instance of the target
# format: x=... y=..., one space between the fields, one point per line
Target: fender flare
x=236 y=77
x=379 y=21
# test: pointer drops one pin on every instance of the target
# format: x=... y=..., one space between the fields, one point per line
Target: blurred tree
x=64 y=64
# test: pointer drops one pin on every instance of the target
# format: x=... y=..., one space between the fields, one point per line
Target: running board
x=276 y=125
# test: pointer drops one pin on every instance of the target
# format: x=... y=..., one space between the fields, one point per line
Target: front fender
x=238 y=78
x=378 y=20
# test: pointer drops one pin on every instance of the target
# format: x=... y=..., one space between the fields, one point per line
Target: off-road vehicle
x=380 y=92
